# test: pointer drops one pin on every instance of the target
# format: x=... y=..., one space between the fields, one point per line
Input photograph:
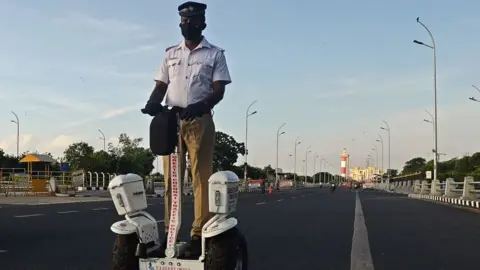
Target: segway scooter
x=223 y=245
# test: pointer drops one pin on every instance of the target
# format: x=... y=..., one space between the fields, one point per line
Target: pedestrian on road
x=192 y=76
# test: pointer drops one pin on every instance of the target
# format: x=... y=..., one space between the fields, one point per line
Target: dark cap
x=189 y=9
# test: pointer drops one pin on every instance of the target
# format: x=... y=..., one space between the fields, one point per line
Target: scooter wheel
x=227 y=251
x=123 y=255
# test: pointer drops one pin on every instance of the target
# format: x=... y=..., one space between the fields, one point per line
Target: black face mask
x=191 y=31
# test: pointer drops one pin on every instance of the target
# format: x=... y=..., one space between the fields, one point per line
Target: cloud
x=113 y=72
x=139 y=49
x=26 y=143
x=116 y=112
x=62 y=141
x=110 y=26
x=106 y=115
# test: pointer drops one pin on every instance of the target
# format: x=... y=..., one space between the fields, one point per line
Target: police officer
x=193 y=76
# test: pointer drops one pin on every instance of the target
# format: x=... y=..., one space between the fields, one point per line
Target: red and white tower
x=344 y=163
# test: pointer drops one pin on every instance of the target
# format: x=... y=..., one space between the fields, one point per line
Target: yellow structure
x=38 y=181
x=365 y=174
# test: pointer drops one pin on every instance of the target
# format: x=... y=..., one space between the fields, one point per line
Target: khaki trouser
x=198 y=138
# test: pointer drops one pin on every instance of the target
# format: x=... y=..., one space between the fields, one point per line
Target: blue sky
x=331 y=70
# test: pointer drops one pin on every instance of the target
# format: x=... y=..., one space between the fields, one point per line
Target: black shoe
x=194 y=248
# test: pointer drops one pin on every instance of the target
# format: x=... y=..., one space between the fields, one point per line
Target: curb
x=453 y=201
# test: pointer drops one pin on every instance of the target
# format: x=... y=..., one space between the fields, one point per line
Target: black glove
x=194 y=110
x=152 y=108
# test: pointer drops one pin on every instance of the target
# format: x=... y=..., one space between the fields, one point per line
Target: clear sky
x=331 y=70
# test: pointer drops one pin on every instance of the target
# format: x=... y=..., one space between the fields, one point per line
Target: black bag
x=164 y=133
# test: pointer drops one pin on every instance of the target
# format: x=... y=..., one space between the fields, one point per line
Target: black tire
x=224 y=249
x=123 y=254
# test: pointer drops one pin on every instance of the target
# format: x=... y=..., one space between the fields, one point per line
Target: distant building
x=365 y=174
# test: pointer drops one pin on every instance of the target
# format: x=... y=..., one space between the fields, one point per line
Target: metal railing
x=468 y=189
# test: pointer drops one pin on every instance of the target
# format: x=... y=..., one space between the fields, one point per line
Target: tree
x=126 y=157
x=475 y=160
x=130 y=157
x=8 y=161
x=463 y=165
x=414 y=165
x=226 y=151
x=79 y=155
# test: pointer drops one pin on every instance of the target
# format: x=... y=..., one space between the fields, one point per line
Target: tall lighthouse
x=344 y=163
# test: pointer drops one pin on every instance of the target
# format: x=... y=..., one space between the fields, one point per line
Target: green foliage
x=456 y=168
x=414 y=165
x=226 y=152
x=126 y=157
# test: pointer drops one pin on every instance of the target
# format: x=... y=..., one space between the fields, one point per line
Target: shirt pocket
x=203 y=69
x=173 y=67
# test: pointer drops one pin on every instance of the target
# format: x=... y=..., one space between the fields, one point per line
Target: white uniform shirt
x=190 y=74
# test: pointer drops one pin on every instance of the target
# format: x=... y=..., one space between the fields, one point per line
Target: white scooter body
x=128 y=194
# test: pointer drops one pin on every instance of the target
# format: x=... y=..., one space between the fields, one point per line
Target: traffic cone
x=270 y=190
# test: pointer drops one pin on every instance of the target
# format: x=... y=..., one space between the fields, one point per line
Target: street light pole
x=380 y=140
x=389 y=168
x=472 y=98
x=315 y=156
x=103 y=138
x=297 y=142
x=18 y=133
x=434 y=150
x=376 y=152
x=276 y=168
x=247 y=114
x=435 y=122
x=320 y=178
x=308 y=150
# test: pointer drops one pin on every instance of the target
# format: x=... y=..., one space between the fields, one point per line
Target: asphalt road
x=303 y=229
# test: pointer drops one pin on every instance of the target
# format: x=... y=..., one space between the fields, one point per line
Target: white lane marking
x=302 y=196
x=25 y=216
x=293 y=197
x=160 y=221
x=3 y=251
x=67 y=212
x=260 y=203
x=279 y=200
x=360 y=256
x=99 y=209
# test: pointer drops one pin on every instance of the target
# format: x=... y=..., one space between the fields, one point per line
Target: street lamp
x=103 y=138
x=376 y=151
x=247 y=114
x=472 y=98
x=433 y=124
x=326 y=171
x=276 y=168
x=320 y=177
x=315 y=156
x=435 y=121
x=308 y=150
x=18 y=132
x=380 y=140
x=297 y=142
x=388 y=130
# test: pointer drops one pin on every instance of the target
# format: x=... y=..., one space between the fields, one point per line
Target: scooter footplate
x=170 y=264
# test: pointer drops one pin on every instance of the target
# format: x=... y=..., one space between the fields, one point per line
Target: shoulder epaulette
x=171 y=47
